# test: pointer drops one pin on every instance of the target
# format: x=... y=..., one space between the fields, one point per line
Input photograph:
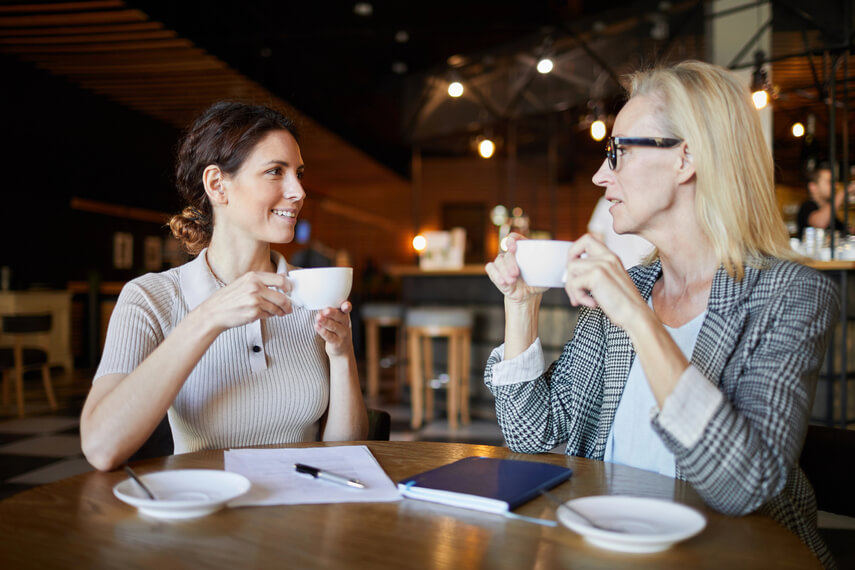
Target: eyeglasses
x=615 y=142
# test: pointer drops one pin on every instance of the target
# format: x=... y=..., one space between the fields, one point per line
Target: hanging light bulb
x=798 y=130
x=455 y=89
x=760 y=98
x=759 y=82
x=419 y=243
x=598 y=130
x=545 y=65
x=486 y=148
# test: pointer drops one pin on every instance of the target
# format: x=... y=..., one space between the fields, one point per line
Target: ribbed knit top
x=261 y=383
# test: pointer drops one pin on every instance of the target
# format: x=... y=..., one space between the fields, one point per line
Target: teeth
x=285 y=213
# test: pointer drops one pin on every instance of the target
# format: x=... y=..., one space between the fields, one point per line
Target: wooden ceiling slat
x=75 y=30
x=137 y=68
x=41 y=20
x=89 y=38
x=109 y=48
x=61 y=6
x=153 y=54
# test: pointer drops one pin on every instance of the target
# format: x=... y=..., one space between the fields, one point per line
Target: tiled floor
x=45 y=445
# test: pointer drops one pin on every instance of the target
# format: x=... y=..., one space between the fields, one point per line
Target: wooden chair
x=19 y=358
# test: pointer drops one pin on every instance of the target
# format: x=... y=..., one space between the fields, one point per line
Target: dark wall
x=60 y=141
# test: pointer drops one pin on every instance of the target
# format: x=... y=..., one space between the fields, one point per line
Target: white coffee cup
x=543 y=262
x=320 y=287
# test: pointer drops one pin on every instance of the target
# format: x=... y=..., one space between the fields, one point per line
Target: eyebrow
x=283 y=163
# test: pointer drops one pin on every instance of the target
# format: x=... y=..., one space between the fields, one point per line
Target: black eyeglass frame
x=656 y=142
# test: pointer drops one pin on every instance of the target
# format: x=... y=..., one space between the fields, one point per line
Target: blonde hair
x=707 y=106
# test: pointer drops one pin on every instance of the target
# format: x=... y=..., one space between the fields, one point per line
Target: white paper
x=275 y=482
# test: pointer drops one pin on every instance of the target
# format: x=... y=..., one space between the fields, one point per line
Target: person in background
x=702 y=363
x=216 y=341
x=816 y=211
x=631 y=249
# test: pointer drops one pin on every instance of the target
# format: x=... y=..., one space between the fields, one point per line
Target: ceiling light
x=402 y=37
x=399 y=67
x=798 y=130
x=760 y=98
x=486 y=148
x=455 y=89
x=598 y=130
x=544 y=65
x=363 y=9
x=759 y=82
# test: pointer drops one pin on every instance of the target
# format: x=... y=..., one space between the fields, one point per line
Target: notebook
x=483 y=483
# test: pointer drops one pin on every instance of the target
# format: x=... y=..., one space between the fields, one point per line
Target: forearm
x=821 y=218
x=346 y=416
x=661 y=359
x=520 y=325
x=120 y=413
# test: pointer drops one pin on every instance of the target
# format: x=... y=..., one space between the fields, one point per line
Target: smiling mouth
x=285 y=213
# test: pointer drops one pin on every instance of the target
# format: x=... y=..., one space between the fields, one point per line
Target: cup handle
x=564 y=277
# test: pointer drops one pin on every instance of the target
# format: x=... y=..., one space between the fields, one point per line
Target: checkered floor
x=39 y=450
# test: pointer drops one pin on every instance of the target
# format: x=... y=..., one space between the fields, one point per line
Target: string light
x=455 y=89
x=598 y=130
x=545 y=65
x=798 y=130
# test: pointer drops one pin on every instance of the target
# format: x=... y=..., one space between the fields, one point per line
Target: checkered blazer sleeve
x=563 y=404
x=749 y=448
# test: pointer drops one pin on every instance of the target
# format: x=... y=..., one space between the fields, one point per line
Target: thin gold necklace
x=214 y=275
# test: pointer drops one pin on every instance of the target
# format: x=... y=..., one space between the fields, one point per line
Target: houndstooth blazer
x=761 y=344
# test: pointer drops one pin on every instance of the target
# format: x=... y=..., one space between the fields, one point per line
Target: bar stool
x=423 y=325
x=376 y=315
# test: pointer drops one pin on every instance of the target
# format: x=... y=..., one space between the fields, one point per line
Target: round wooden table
x=77 y=522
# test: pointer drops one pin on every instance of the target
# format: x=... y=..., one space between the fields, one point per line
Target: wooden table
x=78 y=523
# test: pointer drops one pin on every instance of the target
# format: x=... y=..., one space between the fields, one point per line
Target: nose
x=603 y=174
x=294 y=190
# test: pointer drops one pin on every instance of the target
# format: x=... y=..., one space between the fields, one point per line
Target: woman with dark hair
x=216 y=342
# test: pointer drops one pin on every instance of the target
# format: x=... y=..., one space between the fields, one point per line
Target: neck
x=229 y=260
x=687 y=265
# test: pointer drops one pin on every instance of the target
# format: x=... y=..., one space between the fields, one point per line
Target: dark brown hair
x=224 y=135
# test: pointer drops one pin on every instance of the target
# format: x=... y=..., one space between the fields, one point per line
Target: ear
x=213 y=179
x=687 y=165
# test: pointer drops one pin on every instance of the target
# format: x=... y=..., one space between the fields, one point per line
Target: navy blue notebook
x=483 y=483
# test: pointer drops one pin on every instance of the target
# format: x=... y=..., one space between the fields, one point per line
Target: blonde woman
x=216 y=342
x=700 y=364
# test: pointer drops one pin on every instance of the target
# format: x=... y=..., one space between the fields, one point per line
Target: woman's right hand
x=505 y=274
x=255 y=295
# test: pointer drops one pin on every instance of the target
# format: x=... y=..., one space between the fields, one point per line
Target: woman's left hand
x=334 y=327
x=599 y=279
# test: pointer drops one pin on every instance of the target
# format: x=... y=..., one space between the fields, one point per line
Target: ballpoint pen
x=321 y=474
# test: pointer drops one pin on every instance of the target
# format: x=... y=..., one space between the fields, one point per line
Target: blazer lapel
x=727 y=315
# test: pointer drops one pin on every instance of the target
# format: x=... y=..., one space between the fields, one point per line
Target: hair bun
x=192 y=228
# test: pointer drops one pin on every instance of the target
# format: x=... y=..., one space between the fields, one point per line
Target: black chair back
x=31 y=323
x=379 y=425
x=828 y=460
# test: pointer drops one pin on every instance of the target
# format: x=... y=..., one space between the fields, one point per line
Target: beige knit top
x=262 y=383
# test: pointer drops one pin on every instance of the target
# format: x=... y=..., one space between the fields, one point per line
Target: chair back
x=379 y=425
x=29 y=323
x=828 y=460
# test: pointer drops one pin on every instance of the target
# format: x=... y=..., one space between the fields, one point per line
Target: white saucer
x=183 y=493
x=650 y=525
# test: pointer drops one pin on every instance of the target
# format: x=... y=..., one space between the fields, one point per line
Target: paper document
x=275 y=482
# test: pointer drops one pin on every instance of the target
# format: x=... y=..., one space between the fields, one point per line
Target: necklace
x=214 y=275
